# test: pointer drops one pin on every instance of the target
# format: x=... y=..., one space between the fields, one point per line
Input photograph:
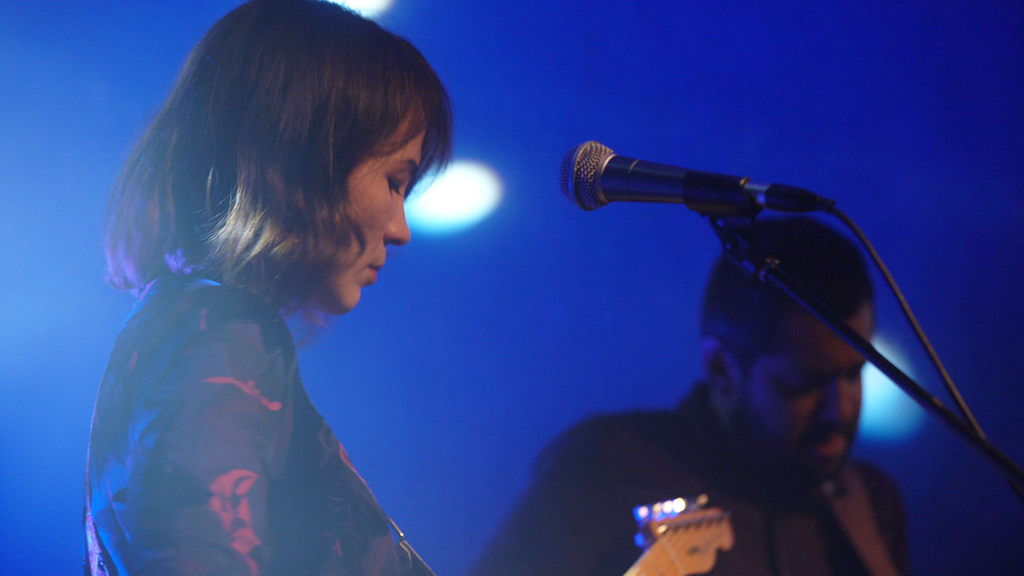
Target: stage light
x=886 y=412
x=461 y=196
x=366 y=8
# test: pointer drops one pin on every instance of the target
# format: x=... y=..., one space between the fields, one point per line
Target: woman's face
x=376 y=214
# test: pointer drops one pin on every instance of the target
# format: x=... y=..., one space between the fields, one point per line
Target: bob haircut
x=241 y=176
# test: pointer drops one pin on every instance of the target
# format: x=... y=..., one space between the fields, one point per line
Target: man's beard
x=818 y=433
x=796 y=465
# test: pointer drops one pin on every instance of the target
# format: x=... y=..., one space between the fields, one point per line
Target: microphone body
x=593 y=175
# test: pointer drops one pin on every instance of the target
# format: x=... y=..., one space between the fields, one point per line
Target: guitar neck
x=685 y=544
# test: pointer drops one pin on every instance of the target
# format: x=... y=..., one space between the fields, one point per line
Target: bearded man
x=765 y=434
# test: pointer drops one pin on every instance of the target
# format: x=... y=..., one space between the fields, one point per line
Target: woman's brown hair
x=241 y=175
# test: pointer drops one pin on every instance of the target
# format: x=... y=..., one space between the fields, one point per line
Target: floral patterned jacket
x=207 y=456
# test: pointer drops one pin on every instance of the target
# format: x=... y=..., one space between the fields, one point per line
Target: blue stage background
x=476 y=348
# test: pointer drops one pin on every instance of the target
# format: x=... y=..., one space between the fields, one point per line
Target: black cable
x=946 y=379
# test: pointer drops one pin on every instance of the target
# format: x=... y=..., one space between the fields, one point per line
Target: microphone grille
x=580 y=172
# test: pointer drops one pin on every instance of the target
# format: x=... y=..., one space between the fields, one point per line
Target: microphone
x=592 y=176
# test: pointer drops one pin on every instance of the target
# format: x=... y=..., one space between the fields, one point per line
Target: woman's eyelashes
x=397 y=185
x=402 y=177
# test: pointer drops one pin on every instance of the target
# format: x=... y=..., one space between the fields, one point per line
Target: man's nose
x=841 y=399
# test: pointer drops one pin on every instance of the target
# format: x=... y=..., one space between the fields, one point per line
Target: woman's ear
x=722 y=373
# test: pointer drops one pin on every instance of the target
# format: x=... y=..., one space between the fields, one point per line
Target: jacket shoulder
x=605 y=444
x=177 y=313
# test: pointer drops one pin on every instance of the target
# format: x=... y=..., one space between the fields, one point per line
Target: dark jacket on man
x=576 y=517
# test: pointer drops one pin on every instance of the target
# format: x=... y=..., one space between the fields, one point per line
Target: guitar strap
x=93 y=564
x=856 y=516
x=412 y=563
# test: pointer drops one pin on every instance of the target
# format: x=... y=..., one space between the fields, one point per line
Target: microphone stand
x=741 y=246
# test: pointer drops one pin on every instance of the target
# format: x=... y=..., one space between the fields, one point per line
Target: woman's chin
x=335 y=302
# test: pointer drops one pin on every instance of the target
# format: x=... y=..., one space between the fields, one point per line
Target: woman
x=271 y=182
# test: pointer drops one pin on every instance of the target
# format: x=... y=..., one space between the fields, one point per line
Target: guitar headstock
x=681 y=537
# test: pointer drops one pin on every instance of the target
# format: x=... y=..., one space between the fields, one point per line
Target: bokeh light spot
x=366 y=8
x=887 y=413
x=461 y=196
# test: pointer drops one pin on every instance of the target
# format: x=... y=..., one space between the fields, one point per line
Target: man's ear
x=722 y=373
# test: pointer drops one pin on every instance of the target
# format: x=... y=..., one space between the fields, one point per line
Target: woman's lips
x=374 y=269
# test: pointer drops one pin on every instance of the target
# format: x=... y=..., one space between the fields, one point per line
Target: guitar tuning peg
x=641 y=513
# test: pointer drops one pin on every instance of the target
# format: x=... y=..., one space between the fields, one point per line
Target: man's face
x=800 y=406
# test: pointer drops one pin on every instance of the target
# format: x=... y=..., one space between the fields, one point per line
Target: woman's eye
x=396 y=185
